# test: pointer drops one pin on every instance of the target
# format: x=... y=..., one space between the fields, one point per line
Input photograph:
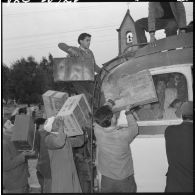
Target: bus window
x=171 y=89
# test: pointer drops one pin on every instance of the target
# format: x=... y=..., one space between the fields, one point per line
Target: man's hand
x=29 y=154
x=181 y=31
x=110 y=102
x=72 y=52
x=152 y=40
x=57 y=125
x=130 y=107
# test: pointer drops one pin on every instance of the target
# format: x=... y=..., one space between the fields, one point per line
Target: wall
x=150 y=163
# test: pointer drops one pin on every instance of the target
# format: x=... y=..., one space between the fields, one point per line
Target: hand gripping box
x=53 y=101
x=75 y=114
x=23 y=132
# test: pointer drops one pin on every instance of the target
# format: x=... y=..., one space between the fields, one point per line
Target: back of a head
x=39 y=121
x=186 y=110
x=22 y=111
x=12 y=119
x=103 y=116
x=82 y=36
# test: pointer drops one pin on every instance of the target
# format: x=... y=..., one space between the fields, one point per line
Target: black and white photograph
x=96 y=97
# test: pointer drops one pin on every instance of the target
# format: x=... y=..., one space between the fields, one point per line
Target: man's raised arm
x=68 y=49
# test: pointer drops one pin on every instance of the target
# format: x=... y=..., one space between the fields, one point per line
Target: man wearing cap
x=179 y=149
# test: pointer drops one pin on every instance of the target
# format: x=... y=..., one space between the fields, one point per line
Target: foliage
x=6 y=82
x=26 y=80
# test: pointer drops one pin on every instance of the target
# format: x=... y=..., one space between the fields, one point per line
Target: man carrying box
x=63 y=171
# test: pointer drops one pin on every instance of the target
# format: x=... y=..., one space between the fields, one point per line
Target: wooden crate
x=75 y=114
x=53 y=101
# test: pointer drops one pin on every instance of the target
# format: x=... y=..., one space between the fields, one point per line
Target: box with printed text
x=53 y=101
x=75 y=114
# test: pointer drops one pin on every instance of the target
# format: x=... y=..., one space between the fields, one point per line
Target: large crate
x=71 y=68
x=53 y=101
x=75 y=114
x=23 y=132
x=129 y=89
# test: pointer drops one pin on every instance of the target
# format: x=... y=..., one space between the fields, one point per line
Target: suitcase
x=23 y=135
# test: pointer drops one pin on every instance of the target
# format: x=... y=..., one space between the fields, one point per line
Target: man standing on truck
x=84 y=41
x=170 y=16
x=85 y=53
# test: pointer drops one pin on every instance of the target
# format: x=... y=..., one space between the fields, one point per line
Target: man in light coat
x=63 y=171
x=170 y=16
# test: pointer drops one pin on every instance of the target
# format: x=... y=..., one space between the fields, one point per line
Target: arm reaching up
x=68 y=49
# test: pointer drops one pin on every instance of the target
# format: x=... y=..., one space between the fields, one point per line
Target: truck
x=171 y=63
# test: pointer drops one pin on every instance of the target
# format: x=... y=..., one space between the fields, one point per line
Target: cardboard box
x=137 y=89
x=23 y=133
x=75 y=114
x=53 y=101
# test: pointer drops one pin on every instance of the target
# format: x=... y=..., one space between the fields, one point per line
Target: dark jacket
x=156 y=11
x=15 y=169
x=179 y=149
x=43 y=163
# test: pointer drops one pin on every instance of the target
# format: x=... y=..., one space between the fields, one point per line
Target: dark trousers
x=83 y=171
x=178 y=184
x=40 y=179
x=22 y=190
x=44 y=182
x=125 y=185
x=141 y=25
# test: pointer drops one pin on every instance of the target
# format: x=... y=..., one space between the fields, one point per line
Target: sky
x=35 y=29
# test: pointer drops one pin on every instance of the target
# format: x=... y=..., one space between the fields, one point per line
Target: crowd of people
x=57 y=168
